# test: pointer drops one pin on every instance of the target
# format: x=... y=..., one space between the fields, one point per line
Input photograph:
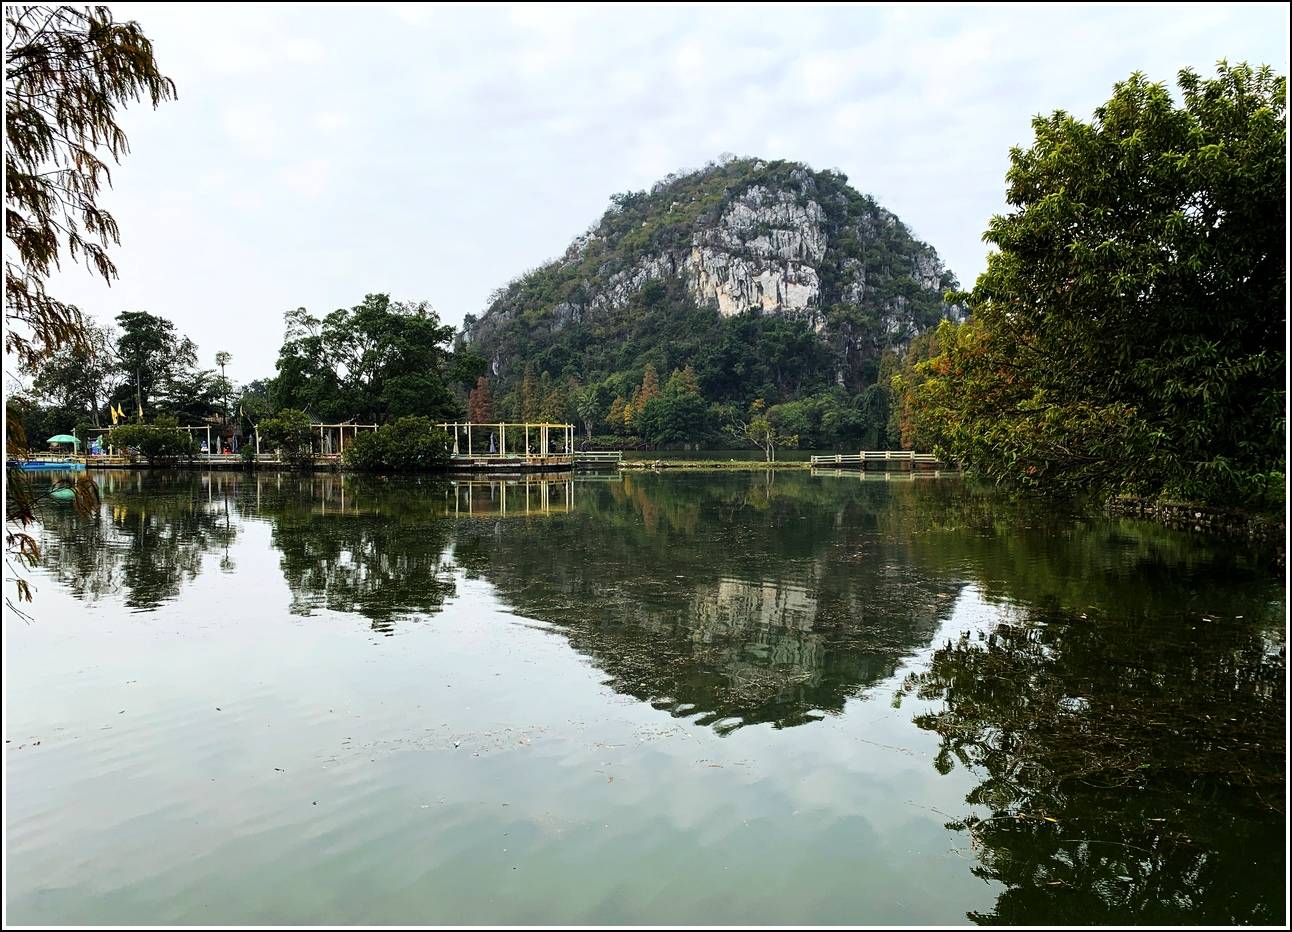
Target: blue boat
x=43 y=465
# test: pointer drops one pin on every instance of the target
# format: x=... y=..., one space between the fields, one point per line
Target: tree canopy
x=378 y=360
x=1127 y=336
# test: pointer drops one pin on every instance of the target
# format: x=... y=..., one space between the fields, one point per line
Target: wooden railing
x=879 y=457
x=599 y=457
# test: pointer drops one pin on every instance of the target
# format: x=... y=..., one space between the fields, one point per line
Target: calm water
x=749 y=698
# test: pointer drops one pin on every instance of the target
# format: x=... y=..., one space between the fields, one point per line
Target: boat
x=43 y=465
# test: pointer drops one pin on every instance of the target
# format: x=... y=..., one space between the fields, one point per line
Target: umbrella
x=65 y=438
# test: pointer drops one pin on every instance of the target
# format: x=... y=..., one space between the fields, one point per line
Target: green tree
x=290 y=434
x=587 y=405
x=1128 y=332
x=150 y=354
x=762 y=431
x=78 y=378
x=408 y=444
x=378 y=360
x=161 y=442
x=225 y=388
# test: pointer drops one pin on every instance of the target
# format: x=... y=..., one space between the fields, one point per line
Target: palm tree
x=222 y=359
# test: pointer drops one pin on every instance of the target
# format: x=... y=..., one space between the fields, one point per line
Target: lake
x=681 y=698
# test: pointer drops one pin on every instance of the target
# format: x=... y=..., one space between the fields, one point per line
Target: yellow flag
x=141 y=411
x=113 y=412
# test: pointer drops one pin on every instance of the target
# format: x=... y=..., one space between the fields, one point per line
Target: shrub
x=409 y=444
x=160 y=442
x=289 y=433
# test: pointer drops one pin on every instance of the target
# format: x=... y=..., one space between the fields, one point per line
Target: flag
x=113 y=412
x=141 y=410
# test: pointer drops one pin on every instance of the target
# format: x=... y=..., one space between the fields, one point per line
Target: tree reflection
x=1131 y=765
x=353 y=545
x=147 y=540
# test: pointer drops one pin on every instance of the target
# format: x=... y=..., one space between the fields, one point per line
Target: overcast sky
x=319 y=153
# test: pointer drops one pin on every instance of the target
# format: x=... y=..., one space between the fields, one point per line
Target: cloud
x=331 y=121
x=253 y=128
x=482 y=139
x=309 y=178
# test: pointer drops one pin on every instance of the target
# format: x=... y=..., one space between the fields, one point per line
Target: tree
x=148 y=349
x=1127 y=335
x=378 y=360
x=289 y=433
x=529 y=395
x=79 y=377
x=588 y=407
x=67 y=70
x=222 y=359
x=162 y=442
x=762 y=431
x=615 y=416
x=408 y=444
x=480 y=402
x=650 y=386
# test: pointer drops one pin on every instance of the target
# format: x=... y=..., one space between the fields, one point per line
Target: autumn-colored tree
x=615 y=416
x=67 y=70
x=530 y=398
x=649 y=389
x=480 y=402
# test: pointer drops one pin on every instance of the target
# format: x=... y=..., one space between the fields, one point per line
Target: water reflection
x=736 y=599
x=1121 y=715
x=1131 y=766
x=148 y=539
x=363 y=546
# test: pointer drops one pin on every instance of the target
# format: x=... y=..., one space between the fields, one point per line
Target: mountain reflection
x=1122 y=711
x=736 y=599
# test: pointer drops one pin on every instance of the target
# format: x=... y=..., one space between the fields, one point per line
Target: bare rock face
x=741 y=237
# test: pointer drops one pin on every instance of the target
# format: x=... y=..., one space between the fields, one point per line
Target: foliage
x=408 y=444
x=290 y=434
x=162 y=442
x=380 y=359
x=762 y=431
x=587 y=405
x=158 y=370
x=67 y=70
x=76 y=380
x=1128 y=331
x=555 y=319
x=480 y=402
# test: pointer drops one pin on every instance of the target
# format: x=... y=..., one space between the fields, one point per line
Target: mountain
x=770 y=279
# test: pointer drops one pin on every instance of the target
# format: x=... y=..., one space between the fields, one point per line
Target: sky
x=318 y=153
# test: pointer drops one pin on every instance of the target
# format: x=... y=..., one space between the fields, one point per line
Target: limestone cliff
x=742 y=237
